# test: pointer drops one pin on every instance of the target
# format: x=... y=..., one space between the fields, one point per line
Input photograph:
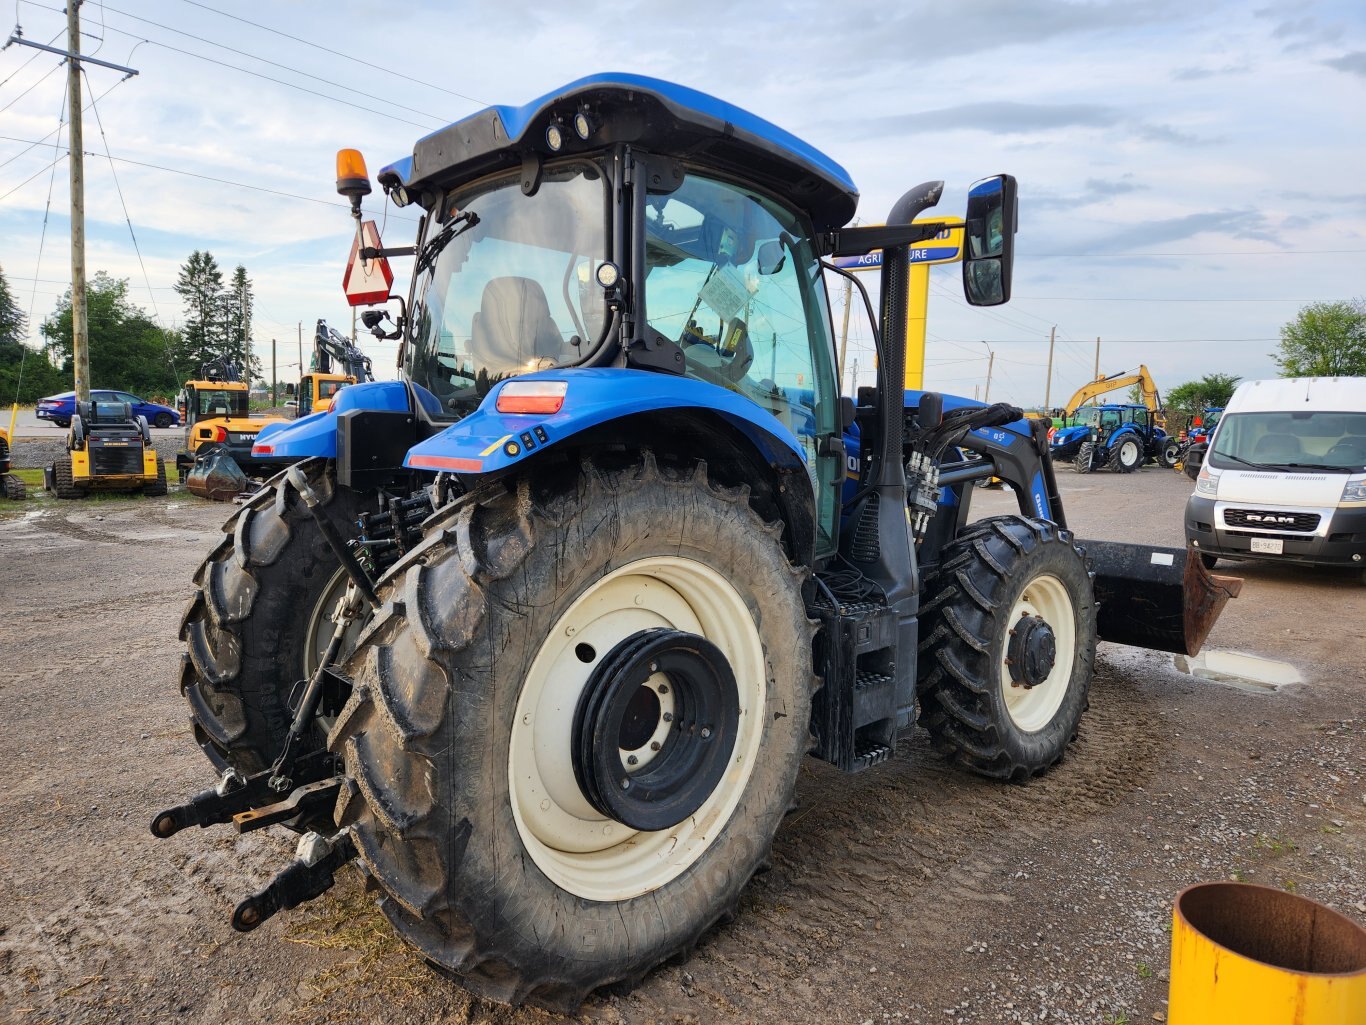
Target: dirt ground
x=910 y=893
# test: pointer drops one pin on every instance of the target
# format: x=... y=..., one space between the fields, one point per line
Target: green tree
x=1325 y=340
x=25 y=374
x=238 y=304
x=205 y=335
x=127 y=349
x=1210 y=390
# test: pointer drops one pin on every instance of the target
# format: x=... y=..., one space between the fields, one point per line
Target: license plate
x=1268 y=545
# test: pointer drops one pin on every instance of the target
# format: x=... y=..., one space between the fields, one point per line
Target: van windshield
x=1294 y=440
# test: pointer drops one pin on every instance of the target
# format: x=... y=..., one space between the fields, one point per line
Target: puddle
x=1234 y=669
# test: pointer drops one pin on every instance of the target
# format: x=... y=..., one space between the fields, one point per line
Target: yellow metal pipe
x=1253 y=955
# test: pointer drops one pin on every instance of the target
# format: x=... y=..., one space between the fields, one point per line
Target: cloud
x=998 y=117
x=1241 y=224
x=1195 y=74
x=1353 y=63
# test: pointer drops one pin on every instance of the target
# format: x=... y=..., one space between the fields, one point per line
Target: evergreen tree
x=239 y=302
x=205 y=335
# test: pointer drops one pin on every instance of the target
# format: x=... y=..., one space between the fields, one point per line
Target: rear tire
x=462 y=720
x=1171 y=452
x=1126 y=455
x=63 y=484
x=247 y=628
x=1085 y=459
x=999 y=573
x=162 y=420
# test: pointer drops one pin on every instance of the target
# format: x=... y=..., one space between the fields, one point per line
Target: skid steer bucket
x=1160 y=598
x=217 y=476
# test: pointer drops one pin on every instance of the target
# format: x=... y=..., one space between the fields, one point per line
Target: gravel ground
x=911 y=893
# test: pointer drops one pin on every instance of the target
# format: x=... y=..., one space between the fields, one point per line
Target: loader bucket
x=1160 y=598
x=216 y=476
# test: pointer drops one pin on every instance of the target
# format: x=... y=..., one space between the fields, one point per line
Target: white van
x=1285 y=475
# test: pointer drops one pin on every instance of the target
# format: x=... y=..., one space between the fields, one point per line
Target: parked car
x=59 y=408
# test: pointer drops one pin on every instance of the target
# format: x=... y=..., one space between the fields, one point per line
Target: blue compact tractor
x=541 y=631
x=1122 y=437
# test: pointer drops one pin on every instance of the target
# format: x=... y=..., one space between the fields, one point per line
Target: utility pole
x=274 y=377
x=1097 y=359
x=80 y=330
x=302 y=371
x=1048 y=381
x=853 y=380
x=991 y=362
x=844 y=331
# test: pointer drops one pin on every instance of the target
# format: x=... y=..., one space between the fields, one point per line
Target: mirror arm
x=371 y=253
x=860 y=241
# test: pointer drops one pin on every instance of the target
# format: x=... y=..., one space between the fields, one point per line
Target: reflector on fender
x=262 y=450
x=532 y=396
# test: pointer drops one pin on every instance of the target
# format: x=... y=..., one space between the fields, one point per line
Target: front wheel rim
x=1032 y=708
x=577 y=847
x=1128 y=453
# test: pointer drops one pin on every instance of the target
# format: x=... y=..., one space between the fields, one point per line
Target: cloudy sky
x=1191 y=174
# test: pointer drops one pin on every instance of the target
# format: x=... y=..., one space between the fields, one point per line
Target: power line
x=337 y=53
x=278 y=81
x=35 y=85
x=1135 y=299
x=1137 y=341
x=1276 y=252
x=49 y=135
x=252 y=56
x=32 y=176
x=156 y=312
x=26 y=63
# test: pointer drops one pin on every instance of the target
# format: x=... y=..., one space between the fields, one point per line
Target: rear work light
x=543 y=397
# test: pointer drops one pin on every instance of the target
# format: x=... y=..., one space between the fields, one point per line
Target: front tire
x=162 y=420
x=1008 y=642
x=253 y=629
x=1085 y=459
x=466 y=800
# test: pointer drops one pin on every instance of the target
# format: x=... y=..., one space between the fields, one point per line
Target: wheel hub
x=655 y=728
x=1031 y=652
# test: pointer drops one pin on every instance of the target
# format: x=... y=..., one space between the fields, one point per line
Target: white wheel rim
x=1033 y=708
x=1128 y=452
x=578 y=848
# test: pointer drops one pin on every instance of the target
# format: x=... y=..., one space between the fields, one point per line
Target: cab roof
x=650 y=113
x=218 y=385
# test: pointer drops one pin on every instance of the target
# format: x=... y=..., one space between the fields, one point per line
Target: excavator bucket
x=1160 y=598
x=216 y=476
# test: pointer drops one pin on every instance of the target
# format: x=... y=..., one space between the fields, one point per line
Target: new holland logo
x=1253 y=517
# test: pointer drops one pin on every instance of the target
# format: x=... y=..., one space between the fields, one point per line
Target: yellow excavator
x=1103 y=385
x=331 y=350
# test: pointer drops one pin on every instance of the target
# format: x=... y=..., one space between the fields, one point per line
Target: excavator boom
x=1103 y=385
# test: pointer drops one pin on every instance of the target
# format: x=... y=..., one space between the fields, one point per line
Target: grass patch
x=31 y=478
x=375 y=962
x=1144 y=972
x=1274 y=844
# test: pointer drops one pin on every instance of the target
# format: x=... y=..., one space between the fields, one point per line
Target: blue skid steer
x=540 y=632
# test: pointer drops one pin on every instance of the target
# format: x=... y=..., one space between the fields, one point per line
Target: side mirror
x=289 y=389
x=989 y=238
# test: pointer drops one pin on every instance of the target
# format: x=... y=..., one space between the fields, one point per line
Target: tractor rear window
x=1312 y=439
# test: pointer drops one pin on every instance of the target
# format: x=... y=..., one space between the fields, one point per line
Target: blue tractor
x=1121 y=436
x=541 y=631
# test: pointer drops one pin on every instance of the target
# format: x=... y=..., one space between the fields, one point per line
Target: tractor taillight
x=542 y=397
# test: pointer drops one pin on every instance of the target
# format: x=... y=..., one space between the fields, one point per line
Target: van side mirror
x=989 y=241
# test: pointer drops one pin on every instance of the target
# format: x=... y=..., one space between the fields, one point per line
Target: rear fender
x=316 y=434
x=488 y=441
x=742 y=443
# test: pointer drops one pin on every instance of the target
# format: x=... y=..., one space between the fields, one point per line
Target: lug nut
x=631 y=759
x=706 y=732
x=654 y=745
x=663 y=688
x=668 y=717
x=626 y=784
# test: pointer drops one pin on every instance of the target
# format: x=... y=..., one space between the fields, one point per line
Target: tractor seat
x=1277 y=448
x=513 y=326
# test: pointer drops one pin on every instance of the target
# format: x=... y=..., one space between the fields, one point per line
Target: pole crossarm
x=129 y=72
